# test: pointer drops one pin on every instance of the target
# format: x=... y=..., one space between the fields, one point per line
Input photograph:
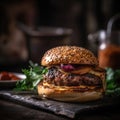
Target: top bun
x=68 y=55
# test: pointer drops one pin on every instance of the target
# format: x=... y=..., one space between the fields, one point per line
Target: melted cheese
x=70 y=88
x=81 y=71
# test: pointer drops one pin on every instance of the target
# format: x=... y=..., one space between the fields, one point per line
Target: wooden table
x=13 y=111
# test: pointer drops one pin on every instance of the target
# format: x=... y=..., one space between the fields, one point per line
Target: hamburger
x=73 y=75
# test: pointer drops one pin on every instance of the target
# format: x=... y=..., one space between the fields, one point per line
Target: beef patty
x=58 y=78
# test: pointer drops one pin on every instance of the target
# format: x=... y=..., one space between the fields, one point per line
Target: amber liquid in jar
x=109 y=56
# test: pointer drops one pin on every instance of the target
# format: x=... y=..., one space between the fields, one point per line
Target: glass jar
x=109 y=48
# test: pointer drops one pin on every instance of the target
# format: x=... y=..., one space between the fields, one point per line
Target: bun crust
x=69 y=96
x=68 y=55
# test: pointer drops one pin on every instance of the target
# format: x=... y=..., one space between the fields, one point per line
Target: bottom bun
x=67 y=95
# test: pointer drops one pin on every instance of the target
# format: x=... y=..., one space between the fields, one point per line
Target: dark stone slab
x=70 y=110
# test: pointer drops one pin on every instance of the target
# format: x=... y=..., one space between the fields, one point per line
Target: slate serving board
x=70 y=110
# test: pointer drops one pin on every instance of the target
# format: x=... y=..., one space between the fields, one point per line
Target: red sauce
x=8 y=76
x=109 y=56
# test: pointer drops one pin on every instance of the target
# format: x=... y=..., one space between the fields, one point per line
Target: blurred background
x=30 y=27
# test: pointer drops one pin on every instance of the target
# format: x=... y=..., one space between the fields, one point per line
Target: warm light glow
x=103 y=46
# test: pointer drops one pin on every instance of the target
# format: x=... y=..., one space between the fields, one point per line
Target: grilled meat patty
x=58 y=78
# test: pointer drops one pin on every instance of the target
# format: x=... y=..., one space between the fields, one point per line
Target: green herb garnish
x=33 y=76
x=112 y=79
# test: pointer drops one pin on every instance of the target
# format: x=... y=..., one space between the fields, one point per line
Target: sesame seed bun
x=68 y=55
